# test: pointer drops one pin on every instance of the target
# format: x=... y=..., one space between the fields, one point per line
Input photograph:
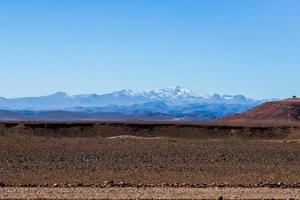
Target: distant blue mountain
x=176 y=103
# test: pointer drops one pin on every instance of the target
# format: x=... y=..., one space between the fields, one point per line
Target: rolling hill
x=287 y=110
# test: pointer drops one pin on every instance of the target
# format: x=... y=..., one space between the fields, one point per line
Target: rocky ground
x=148 y=193
x=32 y=158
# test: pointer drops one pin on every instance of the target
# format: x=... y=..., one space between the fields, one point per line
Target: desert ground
x=148 y=160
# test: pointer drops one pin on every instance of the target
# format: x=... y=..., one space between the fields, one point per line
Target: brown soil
x=148 y=193
x=146 y=153
x=285 y=111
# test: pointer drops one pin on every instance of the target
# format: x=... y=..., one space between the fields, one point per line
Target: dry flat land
x=148 y=193
x=158 y=156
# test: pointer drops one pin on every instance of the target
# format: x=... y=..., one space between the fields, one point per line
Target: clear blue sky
x=249 y=47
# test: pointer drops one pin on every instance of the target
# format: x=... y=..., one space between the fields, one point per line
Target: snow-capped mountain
x=170 y=93
x=176 y=102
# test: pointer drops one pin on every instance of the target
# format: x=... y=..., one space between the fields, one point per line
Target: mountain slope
x=170 y=96
x=176 y=103
x=10 y=115
x=70 y=116
x=287 y=110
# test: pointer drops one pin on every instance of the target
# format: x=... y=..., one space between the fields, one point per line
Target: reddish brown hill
x=287 y=110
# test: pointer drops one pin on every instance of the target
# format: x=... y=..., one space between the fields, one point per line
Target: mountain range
x=175 y=103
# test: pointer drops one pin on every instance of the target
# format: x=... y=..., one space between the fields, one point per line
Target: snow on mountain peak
x=216 y=97
x=126 y=92
x=170 y=96
x=172 y=92
x=181 y=91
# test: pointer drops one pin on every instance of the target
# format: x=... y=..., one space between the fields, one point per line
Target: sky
x=249 y=47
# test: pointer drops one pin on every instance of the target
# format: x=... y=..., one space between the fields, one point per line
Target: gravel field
x=188 y=160
x=148 y=193
x=43 y=160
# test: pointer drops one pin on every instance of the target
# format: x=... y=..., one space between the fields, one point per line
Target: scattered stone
x=183 y=184
x=121 y=184
x=108 y=183
x=79 y=185
x=164 y=184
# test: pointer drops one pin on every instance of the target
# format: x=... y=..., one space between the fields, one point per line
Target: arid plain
x=149 y=155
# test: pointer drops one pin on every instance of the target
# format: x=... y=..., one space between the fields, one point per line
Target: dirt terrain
x=148 y=193
x=143 y=160
x=284 y=111
x=148 y=154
